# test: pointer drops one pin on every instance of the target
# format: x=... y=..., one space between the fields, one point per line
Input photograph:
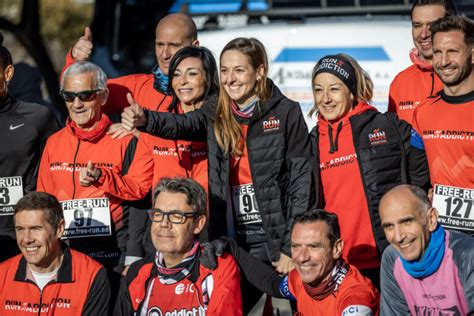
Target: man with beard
x=445 y=123
x=419 y=81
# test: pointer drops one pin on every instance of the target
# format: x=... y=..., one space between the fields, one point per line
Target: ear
x=195 y=43
x=60 y=230
x=105 y=96
x=8 y=72
x=200 y=222
x=260 y=72
x=432 y=217
x=337 y=249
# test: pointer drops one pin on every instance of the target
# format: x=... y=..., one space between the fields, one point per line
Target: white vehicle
x=381 y=45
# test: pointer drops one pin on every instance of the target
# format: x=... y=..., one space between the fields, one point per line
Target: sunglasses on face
x=84 y=96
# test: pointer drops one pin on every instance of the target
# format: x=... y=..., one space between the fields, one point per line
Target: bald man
x=426 y=270
x=150 y=91
x=173 y=32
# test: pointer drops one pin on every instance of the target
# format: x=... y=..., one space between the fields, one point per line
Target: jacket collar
x=64 y=272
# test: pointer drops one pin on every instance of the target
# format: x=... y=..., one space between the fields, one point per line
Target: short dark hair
x=315 y=215
x=448 y=6
x=5 y=55
x=195 y=194
x=454 y=23
x=208 y=64
x=42 y=201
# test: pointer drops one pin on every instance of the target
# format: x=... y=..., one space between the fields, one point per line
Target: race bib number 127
x=86 y=217
x=455 y=207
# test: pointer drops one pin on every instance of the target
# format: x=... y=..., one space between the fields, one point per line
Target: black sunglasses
x=84 y=96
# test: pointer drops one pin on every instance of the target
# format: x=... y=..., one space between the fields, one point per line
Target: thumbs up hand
x=133 y=116
x=89 y=175
x=83 y=47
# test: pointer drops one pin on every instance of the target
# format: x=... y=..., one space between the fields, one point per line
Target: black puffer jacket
x=382 y=166
x=279 y=160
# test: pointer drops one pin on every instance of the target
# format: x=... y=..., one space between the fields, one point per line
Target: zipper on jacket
x=74 y=169
x=268 y=242
x=41 y=295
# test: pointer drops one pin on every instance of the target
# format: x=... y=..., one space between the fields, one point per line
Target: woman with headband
x=360 y=154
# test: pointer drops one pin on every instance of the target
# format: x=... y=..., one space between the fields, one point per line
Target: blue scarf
x=161 y=80
x=431 y=260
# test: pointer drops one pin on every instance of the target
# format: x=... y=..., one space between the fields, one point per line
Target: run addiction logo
x=408 y=105
x=195 y=311
x=271 y=124
x=377 y=137
x=448 y=135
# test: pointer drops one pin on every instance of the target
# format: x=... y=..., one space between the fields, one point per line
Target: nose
x=326 y=97
x=425 y=31
x=184 y=79
x=26 y=237
x=77 y=103
x=165 y=222
x=445 y=59
x=166 y=52
x=230 y=78
x=398 y=234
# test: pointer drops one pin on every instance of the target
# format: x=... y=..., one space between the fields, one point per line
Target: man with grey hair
x=427 y=270
x=91 y=173
x=173 y=281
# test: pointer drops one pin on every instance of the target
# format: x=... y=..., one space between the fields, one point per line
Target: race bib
x=455 y=207
x=86 y=218
x=245 y=204
x=11 y=190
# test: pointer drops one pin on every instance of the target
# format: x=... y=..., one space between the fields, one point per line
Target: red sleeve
x=358 y=300
x=226 y=299
x=44 y=174
x=136 y=183
x=392 y=104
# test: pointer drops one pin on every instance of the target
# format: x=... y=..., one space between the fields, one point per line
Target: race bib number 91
x=455 y=207
x=86 y=217
x=245 y=204
x=11 y=190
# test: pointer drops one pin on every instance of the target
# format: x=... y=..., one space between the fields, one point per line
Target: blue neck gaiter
x=161 y=80
x=431 y=260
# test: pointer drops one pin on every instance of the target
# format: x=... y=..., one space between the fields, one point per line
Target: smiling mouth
x=31 y=249
x=406 y=245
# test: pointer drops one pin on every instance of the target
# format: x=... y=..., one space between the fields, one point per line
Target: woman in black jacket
x=260 y=173
x=360 y=154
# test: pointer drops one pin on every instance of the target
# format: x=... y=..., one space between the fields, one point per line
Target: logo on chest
x=377 y=137
x=408 y=105
x=271 y=124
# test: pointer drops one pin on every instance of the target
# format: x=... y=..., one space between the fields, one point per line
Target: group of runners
x=194 y=190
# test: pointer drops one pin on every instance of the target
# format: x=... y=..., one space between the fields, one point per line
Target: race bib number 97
x=455 y=207
x=86 y=217
x=11 y=190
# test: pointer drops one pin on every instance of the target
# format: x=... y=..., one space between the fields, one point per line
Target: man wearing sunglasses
x=173 y=282
x=92 y=174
